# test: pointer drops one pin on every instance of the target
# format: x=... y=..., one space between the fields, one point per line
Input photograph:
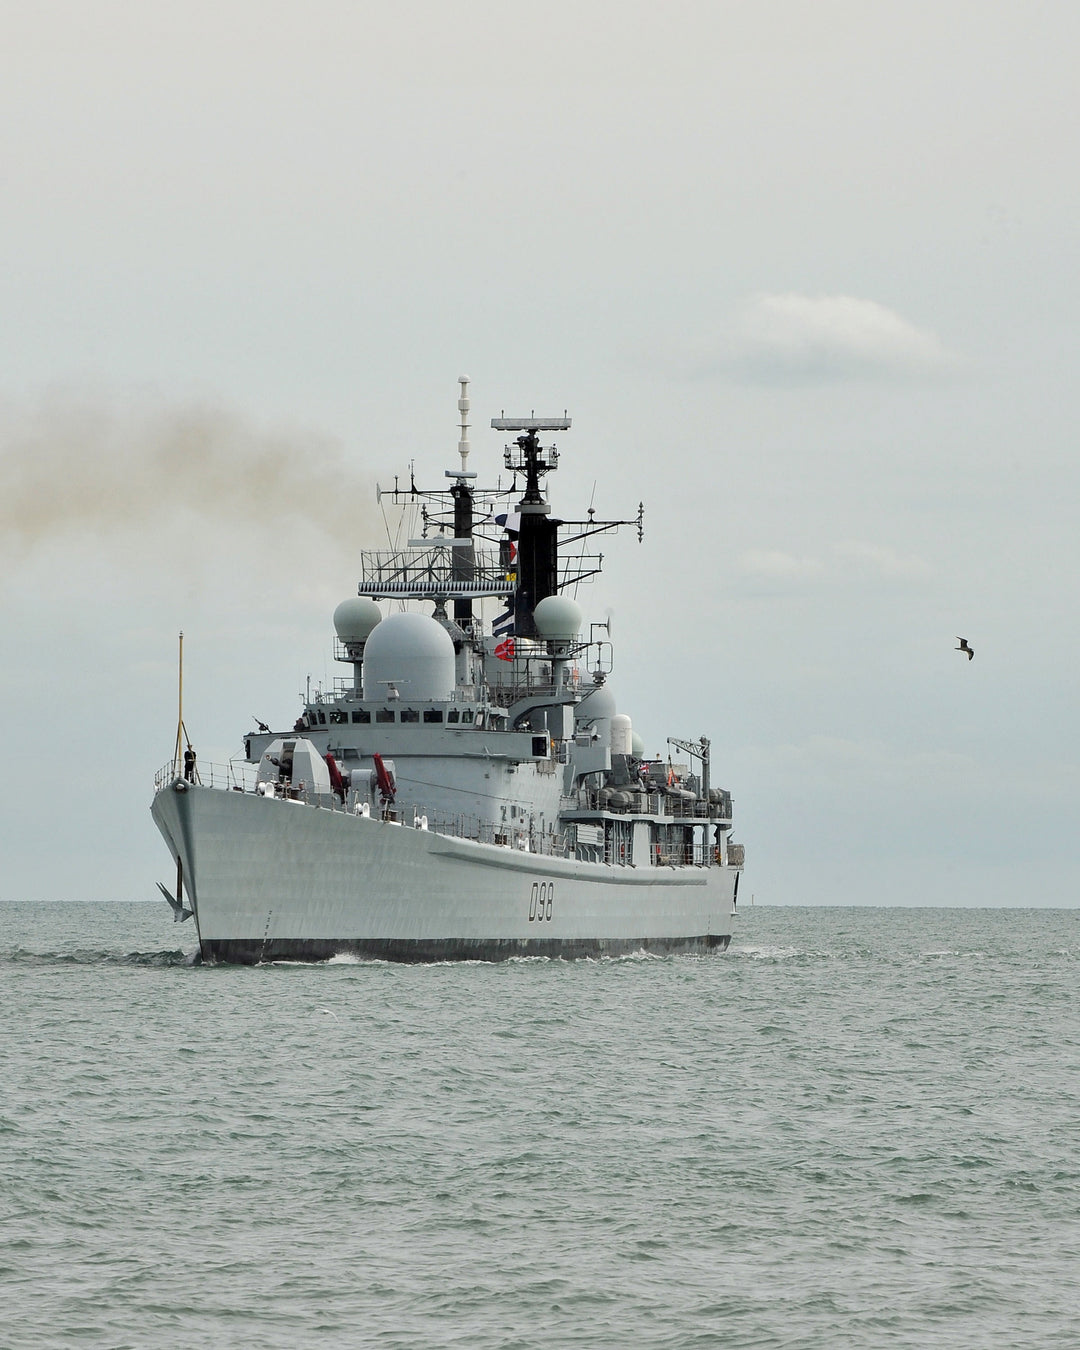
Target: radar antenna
x=527 y=460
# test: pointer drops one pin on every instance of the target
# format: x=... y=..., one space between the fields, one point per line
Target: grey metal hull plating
x=272 y=879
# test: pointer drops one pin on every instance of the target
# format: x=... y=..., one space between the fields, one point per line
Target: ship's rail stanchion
x=241 y=776
x=457 y=825
x=234 y=776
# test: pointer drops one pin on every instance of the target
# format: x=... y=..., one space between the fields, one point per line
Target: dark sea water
x=859 y=1127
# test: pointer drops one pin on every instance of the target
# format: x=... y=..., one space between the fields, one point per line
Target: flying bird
x=964 y=647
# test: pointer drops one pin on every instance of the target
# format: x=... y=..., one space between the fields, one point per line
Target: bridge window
x=453 y=715
x=384 y=714
x=410 y=715
x=361 y=715
x=432 y=714
x=466 y=715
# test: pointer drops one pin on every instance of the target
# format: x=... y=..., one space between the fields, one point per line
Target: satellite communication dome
x=599 y=705
x=354 y=619
x=637 y=745
x=558 y=618
x=413 y=652
x=621 y=734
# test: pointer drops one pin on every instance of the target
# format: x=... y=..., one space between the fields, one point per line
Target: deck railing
x=237 y=774
x=655 y=804
x=240 y=776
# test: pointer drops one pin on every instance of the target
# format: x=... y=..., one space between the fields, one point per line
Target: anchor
x=180 y=911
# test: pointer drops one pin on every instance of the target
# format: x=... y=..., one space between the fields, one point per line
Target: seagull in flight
x=964 y=647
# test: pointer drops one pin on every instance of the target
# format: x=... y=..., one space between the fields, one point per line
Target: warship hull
x=274 y=879
x=472 y=789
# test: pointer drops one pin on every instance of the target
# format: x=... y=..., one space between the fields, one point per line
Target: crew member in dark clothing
x=189 y=763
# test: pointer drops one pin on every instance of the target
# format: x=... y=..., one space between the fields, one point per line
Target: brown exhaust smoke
x=72 y=464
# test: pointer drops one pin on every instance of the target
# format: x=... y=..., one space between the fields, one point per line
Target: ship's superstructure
x=470 y=790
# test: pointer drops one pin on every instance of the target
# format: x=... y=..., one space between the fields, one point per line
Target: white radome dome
x=413 y=652
x=622 y=734
x=599 y=705
x=558 y=618
x=354 y=619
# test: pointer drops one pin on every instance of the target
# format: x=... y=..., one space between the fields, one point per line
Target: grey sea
x=859 y=1127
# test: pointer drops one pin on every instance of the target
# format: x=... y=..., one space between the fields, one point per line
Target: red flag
x=505 y=650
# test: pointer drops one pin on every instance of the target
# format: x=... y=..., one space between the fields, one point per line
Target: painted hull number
x=541 y=901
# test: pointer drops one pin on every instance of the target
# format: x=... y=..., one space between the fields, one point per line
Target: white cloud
x=775 y=565
x=881 y=560
x=808 y=339
x=848 y=561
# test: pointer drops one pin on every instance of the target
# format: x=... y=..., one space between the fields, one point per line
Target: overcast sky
x=804 y=275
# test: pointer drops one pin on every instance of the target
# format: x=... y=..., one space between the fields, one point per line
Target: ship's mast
x=524 y=566
x=538 y=534
x=464 y=568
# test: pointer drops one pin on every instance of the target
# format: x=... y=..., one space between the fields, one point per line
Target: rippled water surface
x=859 y=1127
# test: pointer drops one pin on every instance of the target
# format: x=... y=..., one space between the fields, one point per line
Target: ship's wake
x=20 y=956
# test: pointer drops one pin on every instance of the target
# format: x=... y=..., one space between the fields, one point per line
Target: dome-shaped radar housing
x=597 y=705
x=354 y=619
x=412 y=652
x=558 y=618
x=622 y=734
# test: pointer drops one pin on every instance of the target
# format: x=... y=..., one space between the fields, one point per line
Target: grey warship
x=469 y=789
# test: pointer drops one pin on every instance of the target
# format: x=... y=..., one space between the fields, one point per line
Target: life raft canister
x=385 y=779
